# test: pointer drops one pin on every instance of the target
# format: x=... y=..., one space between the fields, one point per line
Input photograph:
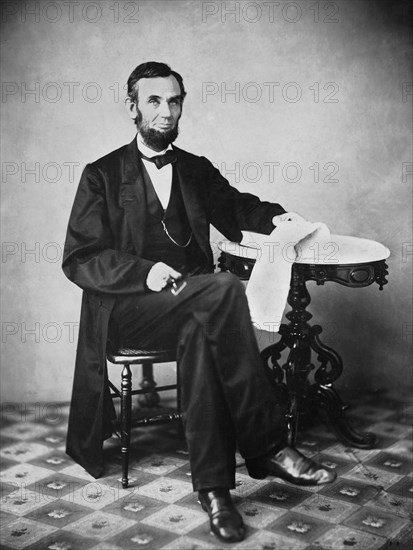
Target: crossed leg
x=226 y=398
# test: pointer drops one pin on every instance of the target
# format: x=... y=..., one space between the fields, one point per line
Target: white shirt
x=161 y=177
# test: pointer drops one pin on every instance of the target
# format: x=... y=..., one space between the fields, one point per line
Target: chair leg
x=126 y=388
x=150 y=399
x=181 y=432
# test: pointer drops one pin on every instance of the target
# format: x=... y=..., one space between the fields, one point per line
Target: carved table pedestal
x=305 y=352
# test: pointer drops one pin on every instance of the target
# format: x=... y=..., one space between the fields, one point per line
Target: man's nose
x=165 y=110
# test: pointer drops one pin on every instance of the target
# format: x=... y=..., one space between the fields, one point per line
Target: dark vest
x=158 y=247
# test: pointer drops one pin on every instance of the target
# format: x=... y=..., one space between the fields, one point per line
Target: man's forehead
x=159 y=86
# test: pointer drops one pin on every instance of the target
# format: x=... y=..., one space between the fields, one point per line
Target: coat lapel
x=195 y=208
x=133 y=196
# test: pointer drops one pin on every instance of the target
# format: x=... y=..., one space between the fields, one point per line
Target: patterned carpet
x=49 y=502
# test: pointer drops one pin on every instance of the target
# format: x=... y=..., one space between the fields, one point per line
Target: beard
x=154 y=138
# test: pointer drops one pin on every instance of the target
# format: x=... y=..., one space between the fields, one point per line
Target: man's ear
x=131 y=108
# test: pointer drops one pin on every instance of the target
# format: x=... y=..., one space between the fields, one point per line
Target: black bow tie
x=162 y=160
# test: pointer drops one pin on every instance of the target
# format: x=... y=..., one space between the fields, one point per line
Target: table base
x=301 y=398
x=291 y=380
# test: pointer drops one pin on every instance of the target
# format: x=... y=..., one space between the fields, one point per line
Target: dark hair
x=152 y=69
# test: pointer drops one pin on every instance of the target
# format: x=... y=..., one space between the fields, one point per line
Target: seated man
x=140 y=219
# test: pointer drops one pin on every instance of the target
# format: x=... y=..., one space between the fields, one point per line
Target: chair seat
x=138 y=355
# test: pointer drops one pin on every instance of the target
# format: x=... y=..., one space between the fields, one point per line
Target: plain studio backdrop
x=306 y=103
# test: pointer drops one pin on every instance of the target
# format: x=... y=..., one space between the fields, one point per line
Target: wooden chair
x=148 y=392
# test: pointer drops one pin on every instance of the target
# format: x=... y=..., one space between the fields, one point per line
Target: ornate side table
x=349 y=261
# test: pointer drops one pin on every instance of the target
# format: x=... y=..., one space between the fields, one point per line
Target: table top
x=337 y=250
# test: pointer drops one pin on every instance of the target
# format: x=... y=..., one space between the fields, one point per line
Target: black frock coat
x=102 y=256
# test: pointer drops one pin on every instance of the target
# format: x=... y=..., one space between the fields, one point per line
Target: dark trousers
x=226 y=397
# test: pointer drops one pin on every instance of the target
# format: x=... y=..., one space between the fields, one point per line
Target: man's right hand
x=158 y=276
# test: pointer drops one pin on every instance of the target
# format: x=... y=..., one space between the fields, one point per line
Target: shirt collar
x=147 y=151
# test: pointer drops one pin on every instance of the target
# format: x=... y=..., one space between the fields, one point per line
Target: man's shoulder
x=185 y=154
x=191 y=158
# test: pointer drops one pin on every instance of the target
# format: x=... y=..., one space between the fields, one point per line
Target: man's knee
x=225 y=312
x=228 y=283
x=221 y=291
x=228 y=294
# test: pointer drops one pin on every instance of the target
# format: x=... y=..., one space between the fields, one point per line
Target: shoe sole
x=262 y=474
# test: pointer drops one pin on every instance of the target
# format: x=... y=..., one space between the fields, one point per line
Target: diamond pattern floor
x=50 y=503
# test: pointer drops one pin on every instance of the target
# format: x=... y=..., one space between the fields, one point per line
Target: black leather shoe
x=290 y=465
x=226 y=523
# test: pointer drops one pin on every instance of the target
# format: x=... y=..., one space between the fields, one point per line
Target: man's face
x=158 y=111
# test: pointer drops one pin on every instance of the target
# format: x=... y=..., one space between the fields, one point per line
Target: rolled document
x=269 y=284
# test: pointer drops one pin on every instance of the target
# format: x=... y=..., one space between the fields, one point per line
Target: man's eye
x=154 y=101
